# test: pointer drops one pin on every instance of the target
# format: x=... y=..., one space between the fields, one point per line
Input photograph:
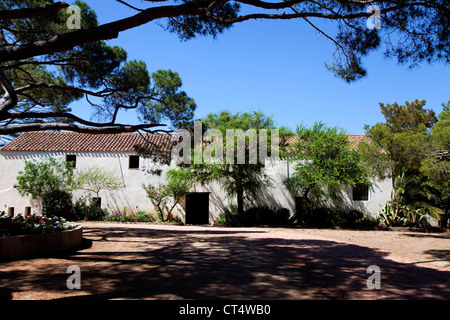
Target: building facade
x=116 y=152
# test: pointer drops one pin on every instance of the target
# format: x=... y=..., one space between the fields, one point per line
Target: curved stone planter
x=28 y=246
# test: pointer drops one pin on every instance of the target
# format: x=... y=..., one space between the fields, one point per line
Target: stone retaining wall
x=28 y=246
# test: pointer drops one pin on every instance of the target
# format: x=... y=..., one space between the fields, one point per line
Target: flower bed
x=141 y=216
x=32 y=236
x=32 y=224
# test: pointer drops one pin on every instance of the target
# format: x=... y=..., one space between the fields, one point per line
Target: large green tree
x=436 y=167
x=45 y=64
x=231 y=155
x=325 y=162
x=403 y=138
x=415 y=146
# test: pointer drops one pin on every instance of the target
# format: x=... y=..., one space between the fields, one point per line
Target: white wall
x=10 y=164
x=279 y=195
x=133 y=197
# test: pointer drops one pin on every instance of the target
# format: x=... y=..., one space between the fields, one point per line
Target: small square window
x=361 y=193
x=27 y=211
x=72 y=159
x=133 y=162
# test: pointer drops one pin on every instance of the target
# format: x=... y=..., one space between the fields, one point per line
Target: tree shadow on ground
x=427 y=235
x=439 y=255
x=138 y=263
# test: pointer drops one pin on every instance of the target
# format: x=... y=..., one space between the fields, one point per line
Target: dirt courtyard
x=146 y=261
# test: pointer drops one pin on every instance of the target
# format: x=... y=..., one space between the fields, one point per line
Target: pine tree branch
x=26 y=127
x=32 y=12
x=9 y=99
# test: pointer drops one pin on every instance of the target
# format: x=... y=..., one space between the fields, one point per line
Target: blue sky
x=276 y=67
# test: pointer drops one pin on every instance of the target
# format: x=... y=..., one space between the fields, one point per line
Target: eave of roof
x=53 y=141
x=50 y=141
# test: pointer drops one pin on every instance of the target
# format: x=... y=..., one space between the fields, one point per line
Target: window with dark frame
x=27 y=211
x=133 y=162
x=360 y=193
x=71 y=158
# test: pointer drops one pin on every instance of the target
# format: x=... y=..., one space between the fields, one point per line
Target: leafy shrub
x=348 y=219
x=368 y=223
x=321 y=217
x=263 y=215
x=159 y=197
x=120 y=216
x=88 y=211
x=308 y=215
x=283 y=216
x=123 y=216
x=43 y=175
x=58 y=203
x=143 y=216
x=221 y=219
x=165 y=197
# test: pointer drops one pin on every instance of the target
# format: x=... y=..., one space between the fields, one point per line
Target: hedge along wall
x=28 y=246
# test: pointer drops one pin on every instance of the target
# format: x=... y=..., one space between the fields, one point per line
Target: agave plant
x=392 y=214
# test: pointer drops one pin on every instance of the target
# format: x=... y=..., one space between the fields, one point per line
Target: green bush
x=283 y=216
x=308 y=215
x=43 y=175
x=348 y=219
x=58 y=203
x=263 y=215
x=221 y=219
x=368 y=223
x=88 y=211
x=120 y=216
x=321 y=217
x=143 y=216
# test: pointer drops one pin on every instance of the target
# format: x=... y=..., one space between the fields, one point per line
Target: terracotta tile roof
x=354 y=139
x=49 y=141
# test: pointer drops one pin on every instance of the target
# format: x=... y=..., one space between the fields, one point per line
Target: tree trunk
x=240 y=196
x=305 y=194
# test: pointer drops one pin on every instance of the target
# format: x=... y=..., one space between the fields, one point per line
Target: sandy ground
x=424 y=249
x=144 y=261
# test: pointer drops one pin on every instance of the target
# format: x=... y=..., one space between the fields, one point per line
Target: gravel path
x=144 y=261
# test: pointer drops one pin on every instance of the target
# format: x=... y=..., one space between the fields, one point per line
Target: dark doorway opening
x=197 y=208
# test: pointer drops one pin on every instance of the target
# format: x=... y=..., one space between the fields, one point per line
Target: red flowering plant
x=165 y=197
x=159 y=197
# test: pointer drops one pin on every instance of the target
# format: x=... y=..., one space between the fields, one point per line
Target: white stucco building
x=116 y=152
